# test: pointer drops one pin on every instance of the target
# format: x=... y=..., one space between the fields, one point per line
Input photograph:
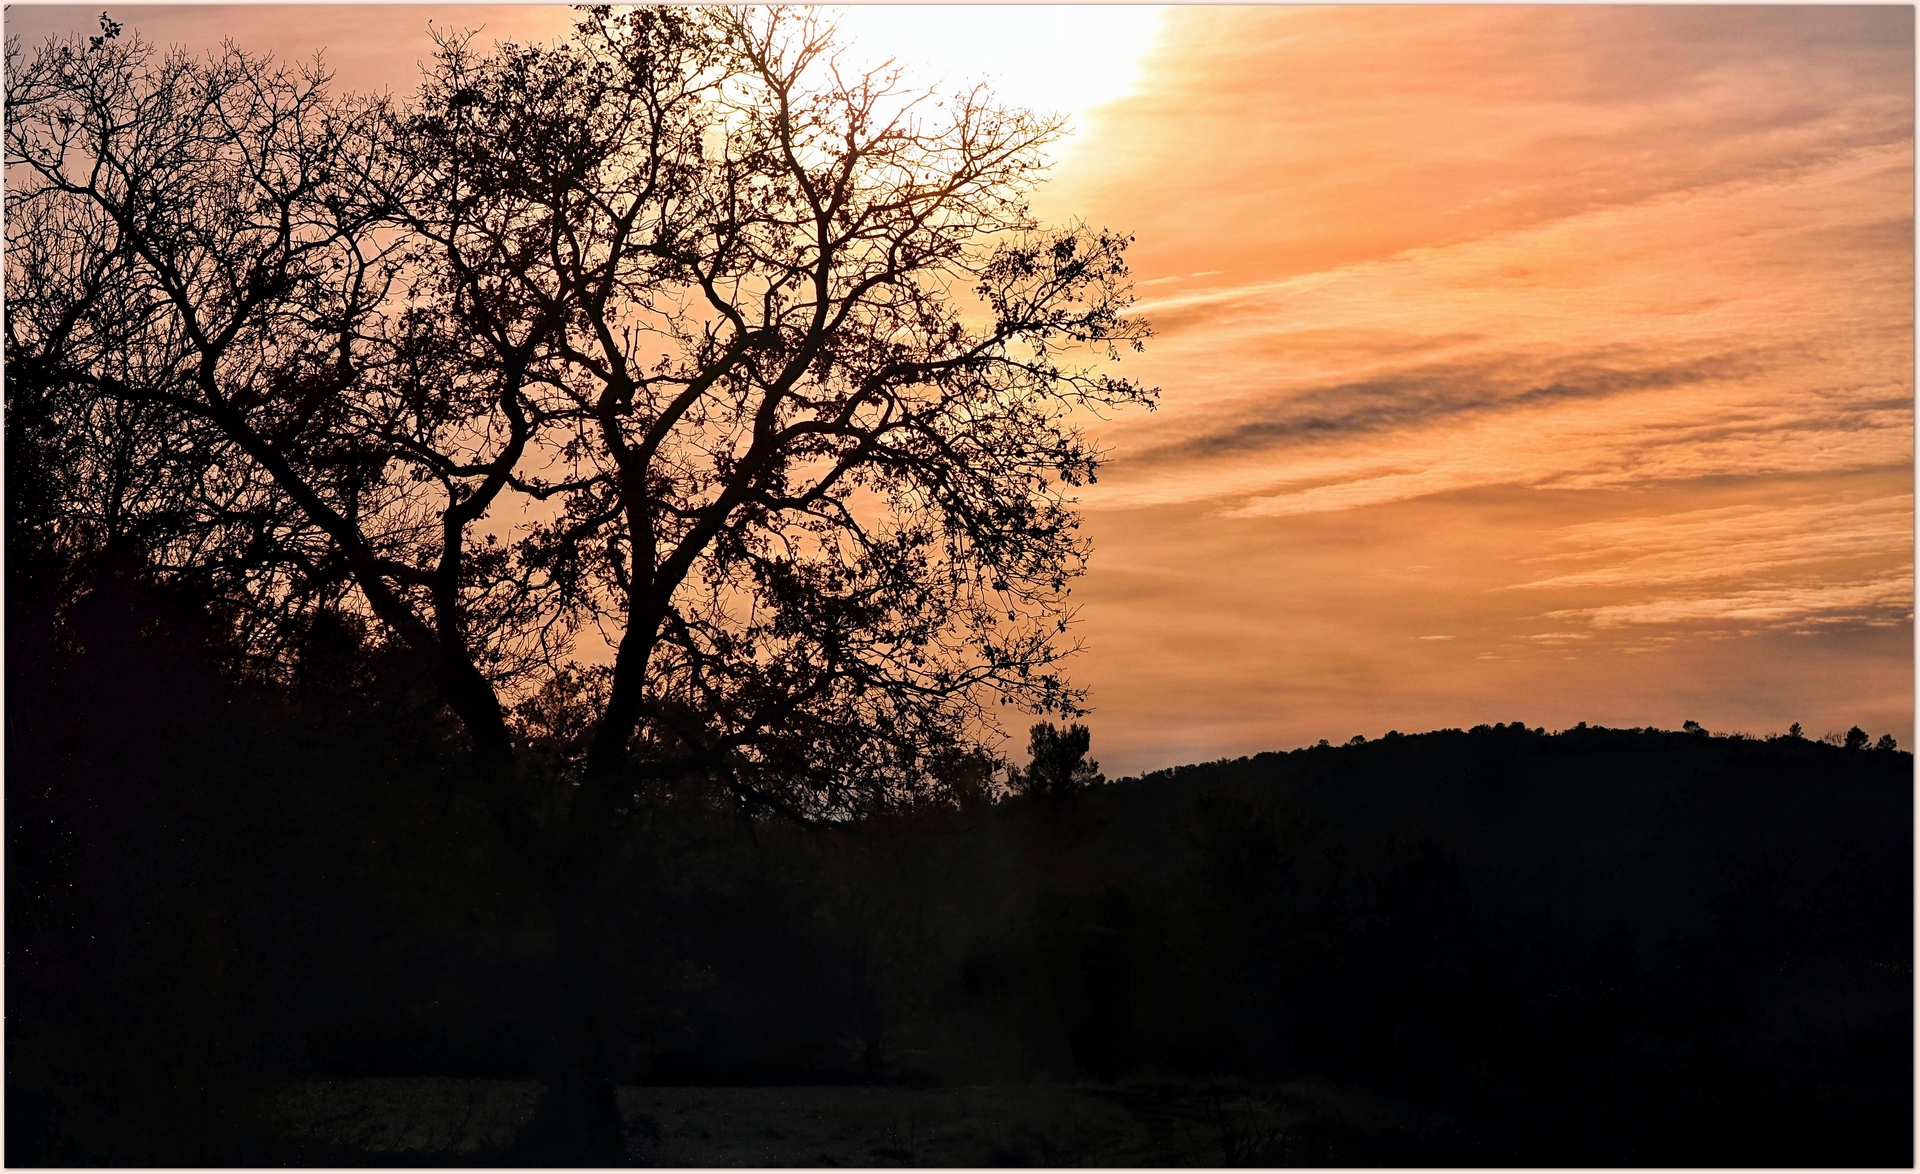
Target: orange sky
x=1556 y=365
x=1538 y=363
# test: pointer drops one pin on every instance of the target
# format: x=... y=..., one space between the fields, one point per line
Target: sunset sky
x=1549 y=363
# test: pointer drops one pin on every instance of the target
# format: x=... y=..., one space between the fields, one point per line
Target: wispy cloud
x=1742 y=568
x=1755 y=330
x=1882 y=602
x=1739 y=541
x=1420 y=395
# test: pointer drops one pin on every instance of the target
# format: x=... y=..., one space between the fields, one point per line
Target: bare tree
x=679 y=337
x=98 y=366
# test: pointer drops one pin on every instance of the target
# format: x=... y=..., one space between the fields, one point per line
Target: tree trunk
x=576 y=1122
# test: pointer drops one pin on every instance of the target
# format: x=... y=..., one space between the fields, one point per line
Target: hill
x=1603 y=946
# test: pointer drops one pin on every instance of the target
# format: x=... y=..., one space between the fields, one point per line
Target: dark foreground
x=255 y=929
x=1138 y=1122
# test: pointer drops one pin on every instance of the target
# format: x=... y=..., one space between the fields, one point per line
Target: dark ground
x=1138 y=1122
x=251 y=926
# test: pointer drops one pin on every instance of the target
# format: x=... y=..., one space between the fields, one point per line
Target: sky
x=1550 y=364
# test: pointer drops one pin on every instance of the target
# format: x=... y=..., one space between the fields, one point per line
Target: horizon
x=1833 y=738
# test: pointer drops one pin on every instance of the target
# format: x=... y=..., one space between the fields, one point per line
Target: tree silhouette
x=676 y=357
x=1060 y=764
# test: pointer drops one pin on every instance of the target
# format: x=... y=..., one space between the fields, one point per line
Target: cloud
x=1724 y=543
x=1826 y=559
x=1883 y=602
x=1313 y=138
x=1425 y=394
x=1754 y=330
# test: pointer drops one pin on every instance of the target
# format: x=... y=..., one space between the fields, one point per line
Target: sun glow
x=1059 y=58
x=1054 y=59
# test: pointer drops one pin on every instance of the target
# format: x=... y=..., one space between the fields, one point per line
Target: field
x=1139 y=1123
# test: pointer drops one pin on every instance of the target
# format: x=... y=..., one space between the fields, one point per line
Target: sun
x=1054 y=59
